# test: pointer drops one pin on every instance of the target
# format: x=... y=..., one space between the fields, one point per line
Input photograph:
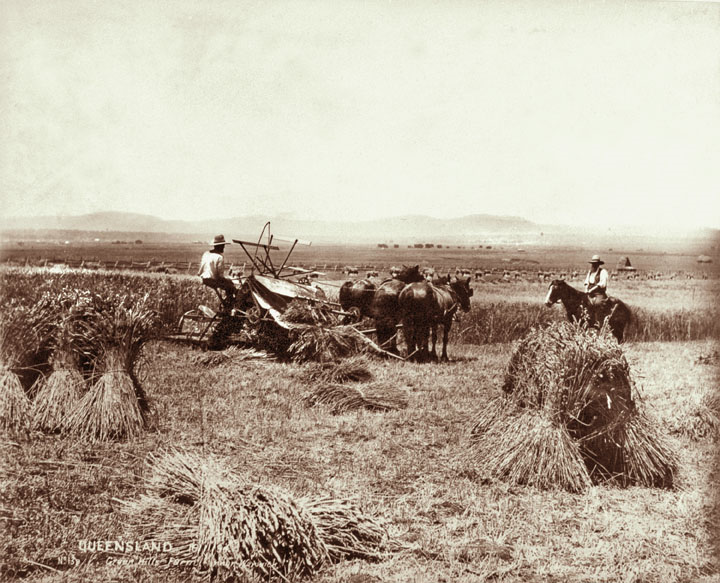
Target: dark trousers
x=224 y=284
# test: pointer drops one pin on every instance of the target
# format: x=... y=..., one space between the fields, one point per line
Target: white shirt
x=212 y=266
x=598 y=278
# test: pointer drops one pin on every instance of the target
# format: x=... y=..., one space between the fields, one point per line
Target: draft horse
x=425 y=306
x=356 y=297
x=384 y=306
x=579 y=307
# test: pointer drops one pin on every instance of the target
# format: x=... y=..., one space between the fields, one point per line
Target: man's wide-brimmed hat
x=596 y=259
x=219 y=240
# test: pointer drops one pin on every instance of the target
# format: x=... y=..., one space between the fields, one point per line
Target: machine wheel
x=253 y=314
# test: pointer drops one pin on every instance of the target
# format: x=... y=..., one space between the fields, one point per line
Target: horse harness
x=453 y=296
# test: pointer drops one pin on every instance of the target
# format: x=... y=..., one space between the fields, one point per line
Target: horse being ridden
x=424 y=306
x=384 y=306
x=579 y=307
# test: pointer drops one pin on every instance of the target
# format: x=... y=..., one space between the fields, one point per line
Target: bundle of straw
x=311 y=342
x=219 y=524
x=302 y=312
x=14 y=403
x=344 y=398
x=355 y=369
x=644 y=457
x=180 y=475
x=24 y=333
x=348 y=533
x=523 y=446
x=116 y=406
x=562 y=363
x=570 y=417
x=59 y=393
x=228 y=356
x=257 y=532
x=110 y=409
x=169 y=509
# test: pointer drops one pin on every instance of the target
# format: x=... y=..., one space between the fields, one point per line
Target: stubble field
x=410 y=468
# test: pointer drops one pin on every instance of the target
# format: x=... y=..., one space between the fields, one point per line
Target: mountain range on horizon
x=401 y=229
x=116 y=221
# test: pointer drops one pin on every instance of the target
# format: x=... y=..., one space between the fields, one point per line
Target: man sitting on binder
x=212 y=270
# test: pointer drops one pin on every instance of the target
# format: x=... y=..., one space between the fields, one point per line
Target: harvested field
x=404 y=460
x=404 y=467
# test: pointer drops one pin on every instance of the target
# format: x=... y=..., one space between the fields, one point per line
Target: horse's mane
x=565 y=285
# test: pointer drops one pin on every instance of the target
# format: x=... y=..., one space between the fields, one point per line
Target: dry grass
x=327 y=344
x=647 y=458
x=25 y=333
x=60 y=392
x=402 y=467
x=697 y=418
x=523 y=446
x=116 y=406
x=303 y=312
x=219 y=524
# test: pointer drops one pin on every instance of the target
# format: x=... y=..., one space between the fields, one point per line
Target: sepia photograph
x=360 y=291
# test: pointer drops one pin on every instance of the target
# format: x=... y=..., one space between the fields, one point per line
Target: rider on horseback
x=596 y=282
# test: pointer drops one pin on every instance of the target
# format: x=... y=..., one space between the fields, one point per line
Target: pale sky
x=557 y=111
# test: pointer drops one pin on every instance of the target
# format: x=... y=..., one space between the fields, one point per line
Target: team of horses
x=422 y=306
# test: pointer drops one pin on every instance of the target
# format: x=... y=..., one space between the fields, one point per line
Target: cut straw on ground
x=229 y=356
x=353 y=369
x=341 y=398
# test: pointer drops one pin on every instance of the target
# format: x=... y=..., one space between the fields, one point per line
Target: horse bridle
x=551 y=288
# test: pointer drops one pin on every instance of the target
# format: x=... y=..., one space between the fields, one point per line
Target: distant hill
x=410 y=229
x=396 y=228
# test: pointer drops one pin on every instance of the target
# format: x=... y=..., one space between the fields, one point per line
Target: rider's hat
x=219 y=240
x=596 y=259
